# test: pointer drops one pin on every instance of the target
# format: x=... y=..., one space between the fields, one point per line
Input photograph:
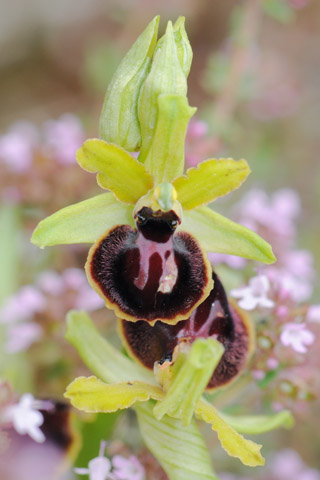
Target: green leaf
x=218 y=234
x=165 y=77
x=82 y=222
x=180 y=450
x=91 y=395
x=190 y=381
x=118 y=170
x=209 y=180
x=165 y=158
x=119 y=120
x=100 y=356
x=256 y=424
x=232 y=442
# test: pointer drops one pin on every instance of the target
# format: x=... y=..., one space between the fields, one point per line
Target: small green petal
x=91 y=395
x=232 y=442
x=256 y=424
x=165 y=158
x=82 y=222
x=119 y=120
x=209 y=180
x=219 y=234
x=190 y=381
x=181 y=451
x=166 y=77
x=99 y=355
x=118 y=170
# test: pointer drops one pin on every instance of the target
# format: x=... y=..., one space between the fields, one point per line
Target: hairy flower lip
x=141 y=278
x=234 y=331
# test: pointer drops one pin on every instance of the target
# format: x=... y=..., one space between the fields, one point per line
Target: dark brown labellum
x=150 y=273
x=215 y=317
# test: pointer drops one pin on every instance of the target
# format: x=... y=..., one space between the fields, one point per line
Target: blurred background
x=255 y=80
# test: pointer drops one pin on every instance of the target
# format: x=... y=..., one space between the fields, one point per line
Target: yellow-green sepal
x=166 y=77
x=257 y=424
x=209 y=180
x=221 y=235
x=91 y=395
x=82 y=222
x=165 y=158
x=119 y=120
x=191 y=373
x=181 y=451
x=117 y=170
x=232 y=442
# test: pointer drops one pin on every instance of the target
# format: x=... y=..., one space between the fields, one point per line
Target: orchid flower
x=150 y=233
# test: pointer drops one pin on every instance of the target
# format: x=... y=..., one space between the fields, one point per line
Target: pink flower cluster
x=23 y=313
x=278 y=297
x=119 y=468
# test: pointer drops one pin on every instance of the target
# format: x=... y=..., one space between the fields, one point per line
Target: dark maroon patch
x=214 y=317
x=150 y=273
x=57 y=425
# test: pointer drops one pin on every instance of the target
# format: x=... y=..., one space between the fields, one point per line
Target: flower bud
x=119 y=121
x=166 y=77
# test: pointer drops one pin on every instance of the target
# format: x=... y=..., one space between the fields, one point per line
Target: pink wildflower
x=297 y=336
x=25 y=417
x=127 y=468
x=255 y=294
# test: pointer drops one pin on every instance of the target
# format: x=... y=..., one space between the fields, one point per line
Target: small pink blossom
x=21 y=335
x=63 y=137
x=272 y=363
x=127 y=468
x=297 y=336
x=17 y=147
x=313 y=314
x=25 y=417
x=23 y=305
x=255 y=294
x=99 y=468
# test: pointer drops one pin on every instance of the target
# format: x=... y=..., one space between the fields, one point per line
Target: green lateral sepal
x=82 y=222
x=221 y=235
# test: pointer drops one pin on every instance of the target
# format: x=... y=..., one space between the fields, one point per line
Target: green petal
x=166 y=77
x=220 y=235
x=181 y=451
x=119 y=171
x=119 y=120
x=209 y=180
x=190 y=381
x=82 y=222
x=99 y=355
x=165 y=158
x=91 y=395
x=232 y=442
x=256 y=424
